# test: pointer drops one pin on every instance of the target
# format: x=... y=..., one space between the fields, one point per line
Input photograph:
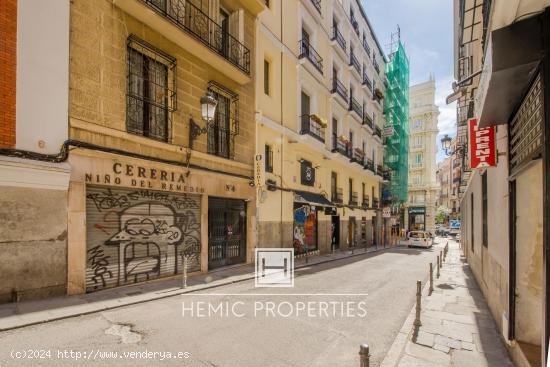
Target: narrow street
x=388 y=277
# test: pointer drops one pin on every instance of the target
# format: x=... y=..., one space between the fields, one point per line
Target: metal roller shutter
x=133 y=235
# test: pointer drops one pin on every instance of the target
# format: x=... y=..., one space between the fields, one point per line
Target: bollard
x=431 y=278
x=441 y=259
x=417 y=322
x=437 y=266
x=184 y=271
x=364 y=355
x=306 y=254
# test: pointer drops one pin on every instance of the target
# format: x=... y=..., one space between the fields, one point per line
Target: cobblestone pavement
x=457 y=327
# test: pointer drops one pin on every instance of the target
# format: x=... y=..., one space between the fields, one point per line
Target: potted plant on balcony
x=318 y=119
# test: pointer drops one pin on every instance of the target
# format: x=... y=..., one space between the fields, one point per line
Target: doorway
x=335 y=222
x=226 y=232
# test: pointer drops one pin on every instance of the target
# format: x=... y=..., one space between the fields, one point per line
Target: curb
x=118 y=303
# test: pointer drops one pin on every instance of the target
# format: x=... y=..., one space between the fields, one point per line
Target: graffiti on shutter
x=135 y=235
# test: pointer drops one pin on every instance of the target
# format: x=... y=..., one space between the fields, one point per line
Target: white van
x=419 y=239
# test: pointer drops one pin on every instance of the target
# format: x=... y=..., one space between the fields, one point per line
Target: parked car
x=454 y=226
x=420 y=239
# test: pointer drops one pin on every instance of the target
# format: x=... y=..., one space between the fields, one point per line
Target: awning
x=311 y=198
x=511 y=59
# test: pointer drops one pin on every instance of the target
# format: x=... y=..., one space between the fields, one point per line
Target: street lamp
x=208 y=107
x=446 y=144
x=208 y=111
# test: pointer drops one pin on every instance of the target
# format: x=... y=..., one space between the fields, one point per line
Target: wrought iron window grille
x=150 y=90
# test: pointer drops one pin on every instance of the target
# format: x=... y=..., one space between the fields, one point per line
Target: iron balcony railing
x=376 y=67
x=367 y=120
x=357 y=156
x=307 y=51
x=366 y=47
x=365 y=203
x=377 y=131
x=379 y=170
x=193 y=20
x=369 y=164
x=339 y=88
x=338 y=146
x=375 y=202
x=338 y=196
x=386 y=175
x=367 y=82
x=355 y=107
x=337 y=36
x=312 y=127
x=354 y=62
x=317 y=5
x=354 y=199
x=354 y=23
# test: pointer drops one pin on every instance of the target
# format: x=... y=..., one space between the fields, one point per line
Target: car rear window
x=416 y=235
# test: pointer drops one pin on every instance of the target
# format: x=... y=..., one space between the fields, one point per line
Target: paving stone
x=468 y=346
x=443 y=348
x=425 y=338
x=428 y=354
x=409 y=361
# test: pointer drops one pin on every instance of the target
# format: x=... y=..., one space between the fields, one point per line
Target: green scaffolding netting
x=396 y=109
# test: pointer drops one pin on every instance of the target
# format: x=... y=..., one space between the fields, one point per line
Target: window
x=484 y=208
x=224 y=127
x=333 y=185
x=350 y=190
x=417 y=124
x=150 y=94
x=418 y=159
x=268 y=159
x=266 y=78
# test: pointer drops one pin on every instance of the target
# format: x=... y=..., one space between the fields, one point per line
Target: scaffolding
x=396 y=129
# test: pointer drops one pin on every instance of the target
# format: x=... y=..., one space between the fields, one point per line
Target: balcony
x=367 y=82
x=354 y=62
x=354 y=199
x=357 y=156
x=377 y=131
x=379 y=170
x=317 y=5
x=366 y=202
x=341 y=146
x=355 y=107
x=375 y=202
x=307 y=51
x=313 y=126
x=369 y=165
x=366 y=47
x=354 y=23
x=367 y=120
x=187 y=26
x=386 y=174
x=338 y=196
x=339 y=88
x=376 y=66
x=337 y=36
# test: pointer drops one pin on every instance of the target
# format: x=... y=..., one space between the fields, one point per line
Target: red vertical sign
x=482 y=145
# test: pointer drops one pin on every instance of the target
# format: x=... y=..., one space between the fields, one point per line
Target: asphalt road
x=319 y=322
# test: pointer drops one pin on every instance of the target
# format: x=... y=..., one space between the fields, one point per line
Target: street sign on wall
x=386 y=212
x=482 y=145
x=259 y=171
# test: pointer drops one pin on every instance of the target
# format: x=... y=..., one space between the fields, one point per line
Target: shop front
x=307 y=209
x=417 y=218
x=133 y=220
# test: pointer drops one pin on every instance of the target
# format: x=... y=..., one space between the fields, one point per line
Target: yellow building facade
x=319 y=114
x=153 y=185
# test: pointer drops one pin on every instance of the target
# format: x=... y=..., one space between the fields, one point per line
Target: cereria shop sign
x=482 y=145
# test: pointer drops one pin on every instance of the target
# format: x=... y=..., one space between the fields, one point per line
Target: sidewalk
x=457 y=326
x=16 y=315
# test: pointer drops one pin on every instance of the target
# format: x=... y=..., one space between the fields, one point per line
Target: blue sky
x=427 y=33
